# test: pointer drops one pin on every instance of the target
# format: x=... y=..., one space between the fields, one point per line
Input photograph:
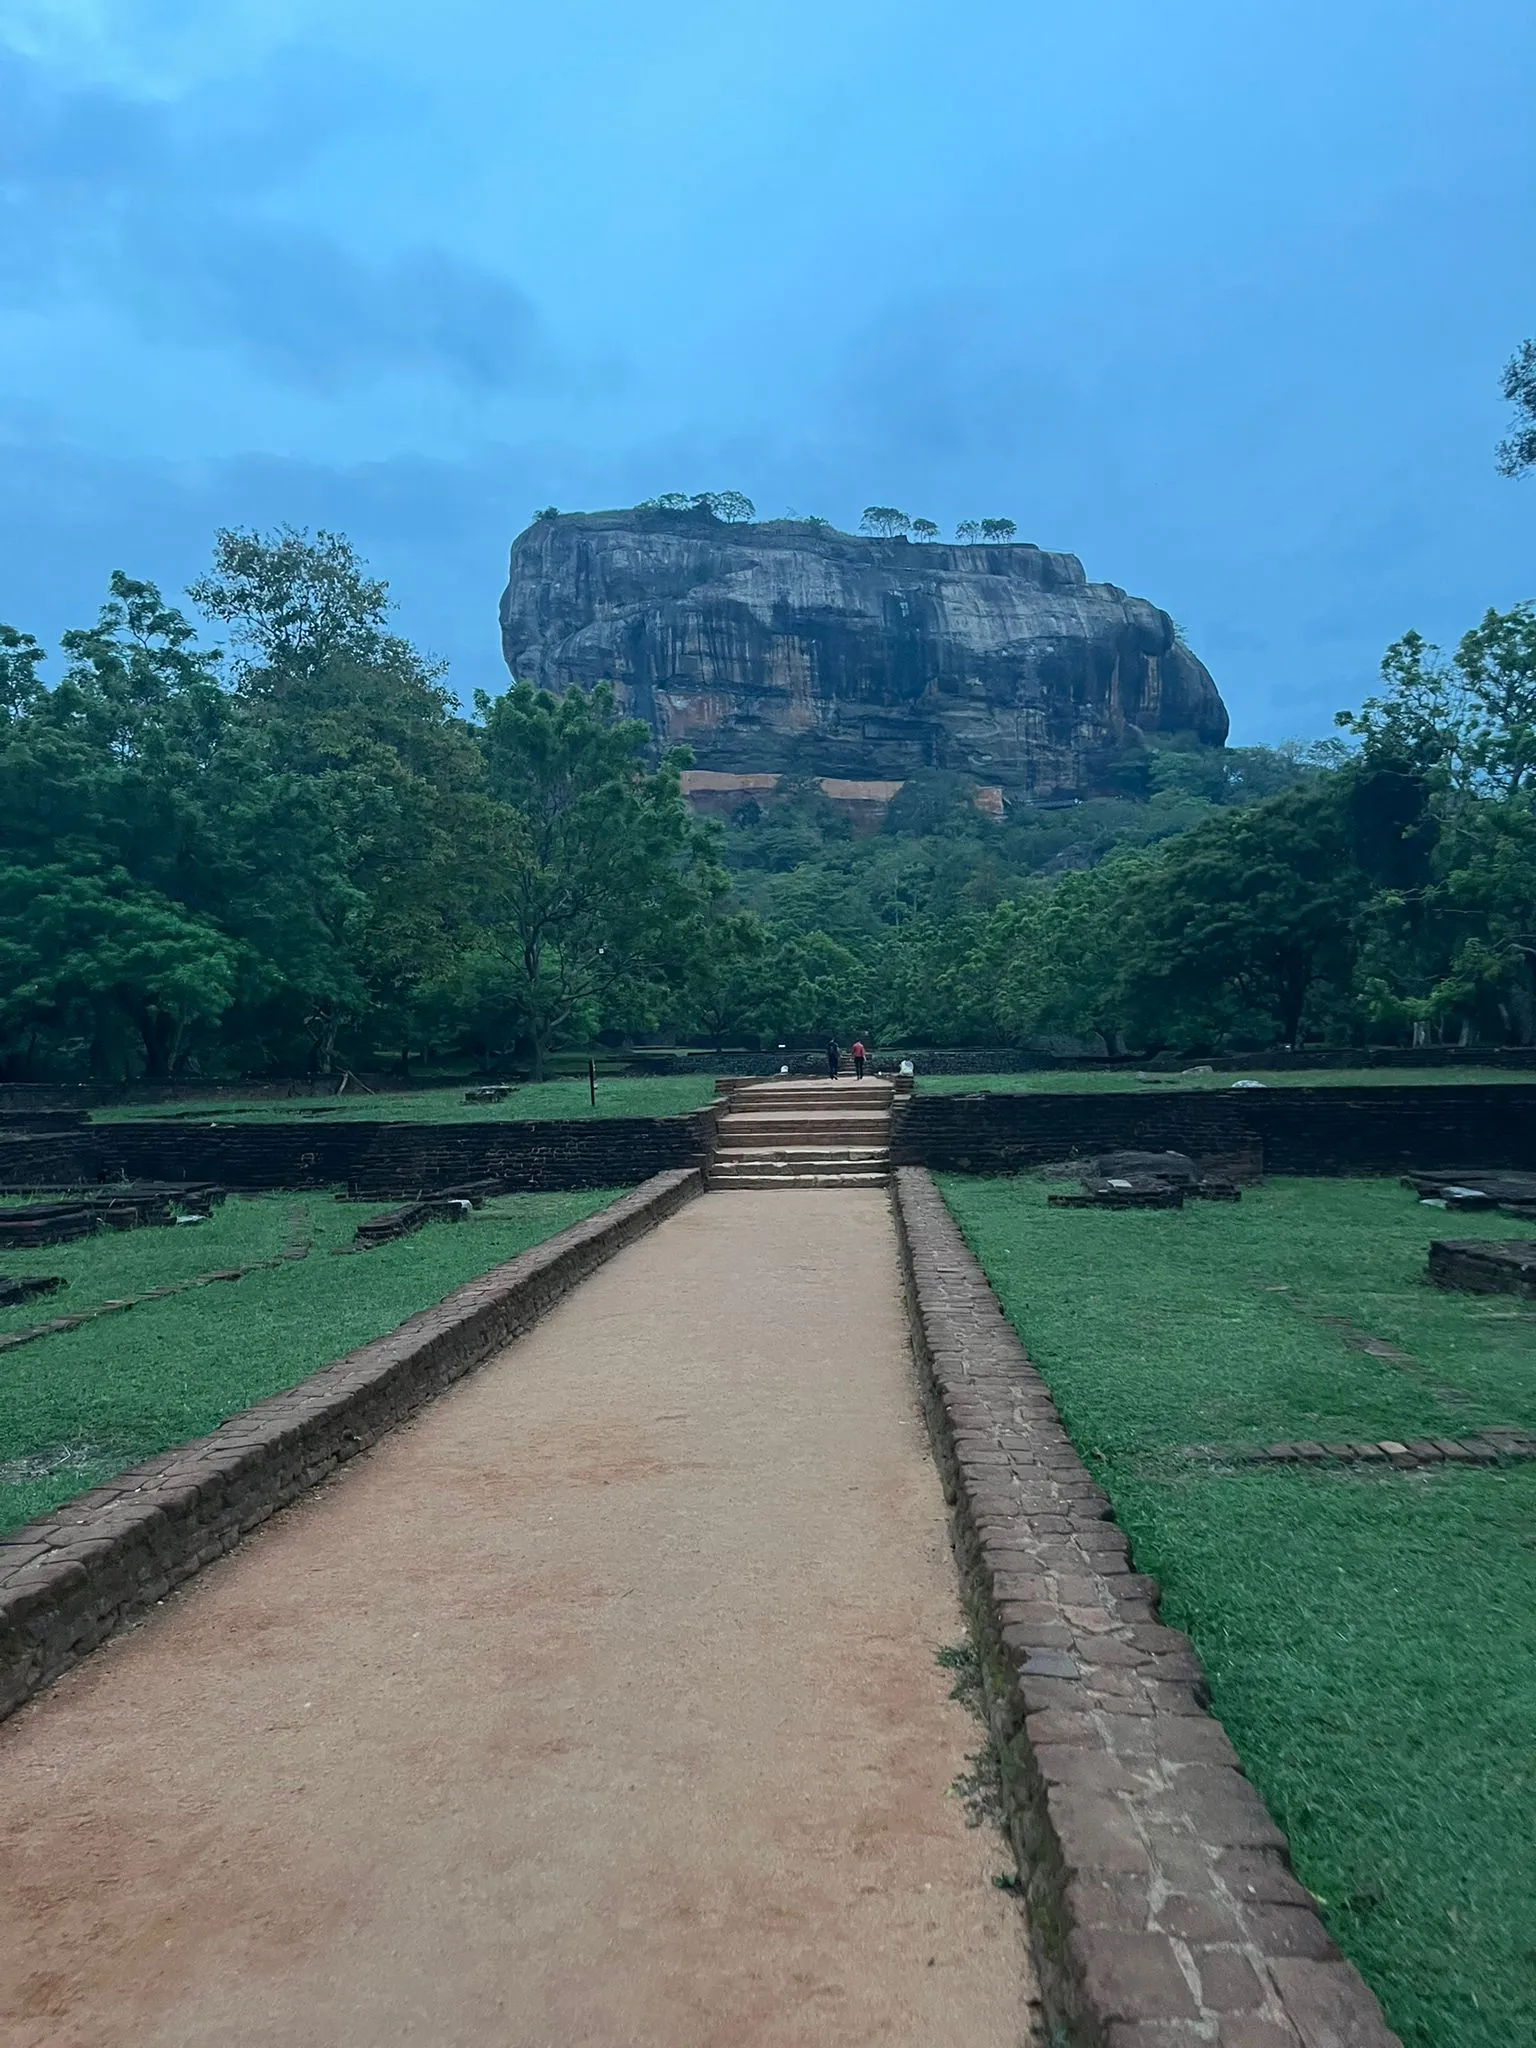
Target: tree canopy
x=291 y=851
x=1517 y=451
x=884 y=520
x=296 y=852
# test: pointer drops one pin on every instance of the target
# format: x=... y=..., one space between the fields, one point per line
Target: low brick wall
x=1300 y=1130
x=402 y=1158
x=47 y=1158
x=1162 y=1907
x=1497 y=1266
x=71 y=1580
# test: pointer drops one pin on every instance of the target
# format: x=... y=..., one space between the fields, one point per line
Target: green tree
x=1231 y=926
x=884 y=520
x=1481 y=905
x=93 y=947
x=968 y=531
x=998 y=529
x=112 y=835
x=1517 y=452
x=924 y=529
x=361 y=726
x=734 y=507
x=21 y=691
x=1059 y=962
x=1469 y=722
x=595 y=875
x=812 y=987
x=725 y=993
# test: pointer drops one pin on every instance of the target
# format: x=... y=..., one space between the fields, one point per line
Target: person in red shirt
x=858 y=1060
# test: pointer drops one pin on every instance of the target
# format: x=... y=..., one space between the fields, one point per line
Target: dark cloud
x=303 y=310
x=439 y=531
x=148 y=211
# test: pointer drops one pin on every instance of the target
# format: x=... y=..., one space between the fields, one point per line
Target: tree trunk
x=322 y=1024
x=1295 y=983
x=1522 y=1008
x=155 y=1031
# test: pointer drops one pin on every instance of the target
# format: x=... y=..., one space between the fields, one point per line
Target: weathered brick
x=1112 y=1899
x=1157 y=2034
x=1330 y=2006
x=1227 y=1981
x=1247 y=2030
x=1290 y=1931
x=1261 y=1876
x=1191 y=1739
x=1095 y=1832
x=1203 y=1917
x=1055 y=1725
x=1089 y=1770
x=1131 y=1976
x=1224 y=1808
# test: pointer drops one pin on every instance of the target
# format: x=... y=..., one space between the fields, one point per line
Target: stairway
x=804 y=1134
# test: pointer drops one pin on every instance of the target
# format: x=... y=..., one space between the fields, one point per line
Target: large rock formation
x=790 y=648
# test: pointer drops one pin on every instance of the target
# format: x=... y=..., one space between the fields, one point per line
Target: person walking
x=858 y=1059
x=834 y=1058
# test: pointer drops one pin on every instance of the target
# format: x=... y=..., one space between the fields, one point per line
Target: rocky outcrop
x=790 y=648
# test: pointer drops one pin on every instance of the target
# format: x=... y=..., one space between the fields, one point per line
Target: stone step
x=813 y=1148
x=799 y=1180
x=804 y=1141
x=807 y=1162
x=822 y=1091
x=876 y=1111
x=878 y=1093
x=801 y=1162
x=857 y=1155
x=762 y=1129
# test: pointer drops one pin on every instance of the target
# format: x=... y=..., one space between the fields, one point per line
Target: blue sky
x=1215 y=295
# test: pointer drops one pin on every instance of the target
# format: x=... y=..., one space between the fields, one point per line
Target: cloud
x=437 y=530
x=304 y=311
x=157 y=47
x=174 y=220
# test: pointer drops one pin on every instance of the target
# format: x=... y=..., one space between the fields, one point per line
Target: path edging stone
x=72 y=1579
x=1162 y=1907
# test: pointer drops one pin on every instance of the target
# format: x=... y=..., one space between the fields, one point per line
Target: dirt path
x=598 y=1707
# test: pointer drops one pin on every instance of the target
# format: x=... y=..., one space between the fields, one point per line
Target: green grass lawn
x=1370 y=1636
x=661 y=1095
x=77 y=1406
x=1082 y=1081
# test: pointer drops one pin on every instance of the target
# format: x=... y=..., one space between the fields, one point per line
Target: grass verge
x=1119 y=1082
x=1370 y=1637
x=562 y=1101
x=80 y=1405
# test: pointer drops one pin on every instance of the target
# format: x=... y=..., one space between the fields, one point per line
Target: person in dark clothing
x=858 y=1060
x=834 y=1057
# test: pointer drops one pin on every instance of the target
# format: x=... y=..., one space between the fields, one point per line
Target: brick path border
x=74 y=1578
x=1162 y=1907
x=1485 y=1447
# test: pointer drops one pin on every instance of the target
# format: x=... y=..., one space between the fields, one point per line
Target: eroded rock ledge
x=788 y=648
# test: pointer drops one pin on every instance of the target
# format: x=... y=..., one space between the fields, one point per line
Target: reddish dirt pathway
x=598 y=1706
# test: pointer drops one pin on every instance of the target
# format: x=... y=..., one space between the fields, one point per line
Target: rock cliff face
x=790 y=648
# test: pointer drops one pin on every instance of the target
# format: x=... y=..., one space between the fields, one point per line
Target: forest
x=281 y=846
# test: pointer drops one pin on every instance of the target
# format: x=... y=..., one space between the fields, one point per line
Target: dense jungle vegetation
x=294 y=853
